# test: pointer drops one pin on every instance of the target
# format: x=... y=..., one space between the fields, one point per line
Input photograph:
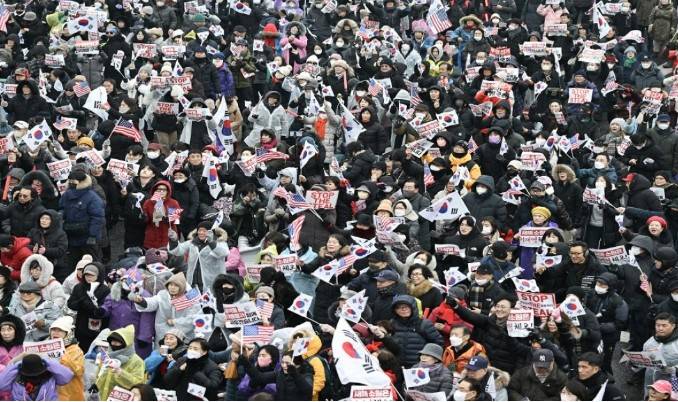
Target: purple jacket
x=245 y=390
x=61 y=375
x=123 y=313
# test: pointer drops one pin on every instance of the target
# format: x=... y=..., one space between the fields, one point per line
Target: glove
x=91 y=241
x=279 y=212
x=210 y=236
x=212 y=244
x=451 y=301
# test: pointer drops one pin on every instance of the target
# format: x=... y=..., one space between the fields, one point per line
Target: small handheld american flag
x=374 y=87
x=294 y=230
x=437 y=17
x=126 y=128
x=256 y=334
x=174 y=215
x=265 y=155
x=81 y=89
x=296 y=200
x=265 y=309
x=428 y=176
x=187 y=300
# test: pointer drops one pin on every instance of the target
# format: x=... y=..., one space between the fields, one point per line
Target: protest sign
x=322 y=199
x=502 y=54
x=370 y=393
x=145 y=50
x=538 y=49
x=172 y=52
x=419 y=147
x=593 y=196
x=540 y=303
x=165 y=395
x=254 y=272
x=87 y=47
x=579 y=95
x=532 y=160
x=240 y=314
x=59 y=170
x=611 y=256
x=426 y=396
x=51 y=348
x=555 y=30
x=170 y=108
x=531 y=237
x=92 y=156
x=659 y=192
x=183 y=81
x=594 y=56
x=428 y=130
x=650 y=358
x=6 y=145
x=120 y=394
x=520 y=322
x=447 y=249
x=54 y=60
x=287 y=264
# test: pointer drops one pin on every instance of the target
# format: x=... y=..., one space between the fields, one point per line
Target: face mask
x=591 y=68
x=459 y=395
x=625 y=9
x=153 y=155
x=546 y=67
x=480 y=62
x=512 y=27
x=480 y=190
x=399 y=212
x=405 y=48
x=160 y=4
x=192 y=355
x=540 y=141
x=340 y=44
x=674 y=297
x=599 y=290
x=318 y=52
x=123 y=109
x=495 y=21
x=482 y=282
x=486 y=230
x=477 y=38
x=599 y=165
x=494 y=139
x=600 y=186
x=646 y=64
x=363 y=195
x=435 y=168
x=359 y=94
x=635 y=250
x=610 y=65
x=420 y=115
x=180 y=181
x=456 y=341
x=567 y=397
x=663 y=126
x=228 y=291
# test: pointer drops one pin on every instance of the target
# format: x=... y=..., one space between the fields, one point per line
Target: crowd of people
x=329 y=199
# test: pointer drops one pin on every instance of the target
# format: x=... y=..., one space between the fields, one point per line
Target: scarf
x=420 y=289
x=320 y=127
x=123 y=354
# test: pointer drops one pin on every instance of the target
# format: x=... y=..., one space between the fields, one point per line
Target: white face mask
x=547 y=67
x=486 y=230
x=480 y=190
x=363 y=195
x=600 y=186
x=646 y=64
x=482 y=282
x=435 y=168
x=568 y=397
x=663 y=126
x=180 y=181
x=540 y=141
x=592 y=68
x=456 y=341
x=405 y=48
x=610 y=65
x=674 y=297
x=480 y=62
x=600 y=290
x=153 y=154
x=635 y=250
x=192 y=354
x=123 y=109
x=459 y=395
x=599 y=165
x=625 y=9
x=359 y=94
x=399 y=212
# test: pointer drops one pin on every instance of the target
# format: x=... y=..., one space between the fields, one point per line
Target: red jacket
x=445 y=315
x=16 y=256
x=157 y=236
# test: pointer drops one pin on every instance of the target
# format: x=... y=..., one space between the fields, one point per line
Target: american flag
x=644 y=283
x=415 y=99
x=126 y=128
x=437 y=17
x=265 y=309
x=156 y=197
x=296 y=200
x=256 y=333
x=265 y=155
x=174 y=215
x=674 y=383
x=280 y=192
x=428 y=176
x=345 y=263
x=374 y=87
x=81 y=89
x=294 y=230
x=187 y=300
x=4 y=17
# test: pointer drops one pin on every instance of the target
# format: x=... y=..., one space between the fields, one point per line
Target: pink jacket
x=300 y=43
x=234 y=262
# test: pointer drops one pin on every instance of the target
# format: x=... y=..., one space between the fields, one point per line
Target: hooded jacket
x=16 y=256
x=412 y=333
x=641 y=202
x=488 y=204
x=310 y=356
x=53 y=238
x=202 y=371
x=9 y=350
x=22 y=108
x=10 y=381
x=156 y=236
x=20 y=218
x=131 y=368
x=209 y=256
x=51 y=289
x=263 y=117
x=84 y=213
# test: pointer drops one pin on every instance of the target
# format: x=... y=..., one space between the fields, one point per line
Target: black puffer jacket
x=54 y=240
x=90 y=318
x=202 y=371
x=22 y=108
x=374 y=137
x=49 y=195
x=525 y=385
x=503 y=351
x=20 y=218
x=412 y=333
x=610 y=309
x=488 y=204
x=641 y=202
x=360 y=167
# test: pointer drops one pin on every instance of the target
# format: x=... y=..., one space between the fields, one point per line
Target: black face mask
x=511 y=173
x=459 y=154
x=72 y=186
x=388 y=290
x=228 y=291
x=115 y=348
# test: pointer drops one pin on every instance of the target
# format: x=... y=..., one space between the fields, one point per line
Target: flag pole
x=310 y=319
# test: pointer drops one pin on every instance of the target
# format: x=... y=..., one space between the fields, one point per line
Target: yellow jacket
x=131 y=373
x=74 y=359
x=318 y=369
x=474 y=172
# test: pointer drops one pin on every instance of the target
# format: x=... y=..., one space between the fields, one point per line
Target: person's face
x=28 y=297
x=24 y=196
x=35 y=272
x=202 y=234
x=543 y=371
x=459 y=333
x=332 y=245
x=500 y=113
x=72 y=135
x=663 y=328
x=577 y=255
x=89 y=278
x=551 y=239
x=579 y=79
x=108 y=87
x=538 y=219
x=659 y=181
x=330 y=186
x=26 y=90
x=173 y=289
x=195 y=159
x=272 y=102
x=554 y=107
x=417 y=276
x=56 y=333
x=655 y=228
x=170 y=341
x=266 y=259
x=409 y=187
x=195 y=347
x=162 y=190
x=365 y=116
x=146 y=172
x=465 y=387
x=476 y=374
x=562 y=176
x=97 y=171
x=656 y=395
x=428 y=360
x=537 y=193
x=338 y=70
x=7 y=333
x=502 y=309
x=385 y=68
x=286 y=362
x=264 y=359
x=403 y=310
x=434 y=94
x=602 y=159
x=586 y=370
x=569 y=395
x=465 y=228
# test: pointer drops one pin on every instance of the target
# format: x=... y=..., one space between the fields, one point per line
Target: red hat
x=657 y=219
x=661 y=386
x=629 y=177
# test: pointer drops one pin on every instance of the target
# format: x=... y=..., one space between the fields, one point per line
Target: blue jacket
x=226 y=83
x=84 y=213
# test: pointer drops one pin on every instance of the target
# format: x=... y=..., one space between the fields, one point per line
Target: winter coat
x=595 y=382
x=646 y=158
x=84 y=213
x=488 y=204
x=429 y=295
x=441 y=379
x=211 y=260
x=565 y=275
x=360 y=167
x=44 y=310
x=503 y=351
x=131 y=370
x=11 y=380
x=644 y=78
x=22 y=108
x=374 y=137
x=262 y=117
x=525 y=384
x=54 y=239
x=611 y=311
x=89 y=319
x=412 y=333
x=16 y=256
x=641 y=202
x=644 y=10
x=74 y=360
x=457 y=359
x=589 y=340
x=663 y=22
x=10 y=350
x=50 y=288
x=20 y=218
x=296 y=385
x=202 y=371
x=569 y=192
x=121 y=312
x=156 y=235
x=206 y=73
x=667 y=142
x=49 y=196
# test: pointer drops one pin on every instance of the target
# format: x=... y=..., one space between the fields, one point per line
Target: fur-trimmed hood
x=45 y=274
x=342 y=251
x=339 y=28
x=220 y=234
x=47 y=185
x=84 y=184
x=560 y=168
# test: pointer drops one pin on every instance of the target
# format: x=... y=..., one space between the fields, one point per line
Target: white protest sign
x=531 y=237
x=59 y=170
x=540 y=303
x=579 y=95
x=287 y=264
x=240 y=314
x=370 y=393
x=520 y=322
x=611 y=256
x=322 y=199
x=649 y=358
x=51 y=348
x=120 y=394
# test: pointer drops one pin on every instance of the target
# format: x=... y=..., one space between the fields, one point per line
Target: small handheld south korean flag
x=572 y=307
x=301 y=305
x=416 y=377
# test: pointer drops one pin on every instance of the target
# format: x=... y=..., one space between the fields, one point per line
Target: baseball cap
x=387 y=275
x=661 y=386
x=542 y=358
x=477 y=363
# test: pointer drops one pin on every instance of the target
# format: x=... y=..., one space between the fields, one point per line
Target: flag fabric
x=352 y=128
x=213 y=182
x=644 y=283
x=127 y=129
x=265 y=309
x=257 y=334
x=280 y=192
x=353 y=308
x=178 y=70
x=354 y=363
x=517 y=183
x=437 y=17
x=491 y=387
x=428 y=176
x=525 y=285
x=300 y=346
x=36 y=136
x=4 y=17
x=416 y=377
x=81 y=89
x=187 y=300
x=203 y=324
x=674 y=383
x=207 y=300
x=296 y=202
x=415 y=99
x=472 y=146
x=503 y=147
x=301 y=304
x=294 y=230
x=66 y=123
x=265 y=155
x=327 y=271
x=174 y=215
x=308 y=152
x=374 y=87
x=219 y=220
x=600 y=21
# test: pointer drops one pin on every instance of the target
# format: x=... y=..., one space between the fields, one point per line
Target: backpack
x=327 y=393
